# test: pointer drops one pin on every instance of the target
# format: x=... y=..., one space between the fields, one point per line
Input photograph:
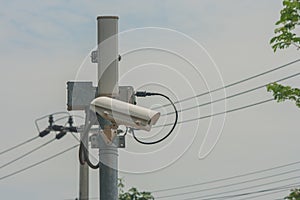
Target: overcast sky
x=195 y=46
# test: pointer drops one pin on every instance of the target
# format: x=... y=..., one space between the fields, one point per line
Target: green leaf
x=287 y=23
x=282 y=93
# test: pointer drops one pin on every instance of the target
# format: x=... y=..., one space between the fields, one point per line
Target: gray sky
x=44 y=44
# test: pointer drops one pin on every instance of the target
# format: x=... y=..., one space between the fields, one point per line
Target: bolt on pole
x=108 y=78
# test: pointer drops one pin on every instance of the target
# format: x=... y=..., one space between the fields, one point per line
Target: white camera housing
x=122 y=113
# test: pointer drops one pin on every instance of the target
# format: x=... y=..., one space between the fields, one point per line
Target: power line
x=216 y=114
x=261 y=195
x=281 y=188
x=231 y=184
x=38 y=163
x=232 y=84
x=26 y=154
x=245 y=188
x=277 y=190
x=19 y=145
x=234 y=95
x=228 y=178
x=271 y=191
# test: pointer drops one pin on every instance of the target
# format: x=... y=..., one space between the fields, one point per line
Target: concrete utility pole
x=84 y=169
x=108 y=77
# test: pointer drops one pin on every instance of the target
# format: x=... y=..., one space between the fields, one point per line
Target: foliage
x=282 y=93
x=289 y=19
x=294 y=195
x=285 y=36
x=133 y=193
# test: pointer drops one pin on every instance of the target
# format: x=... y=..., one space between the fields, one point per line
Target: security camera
x=122 y=113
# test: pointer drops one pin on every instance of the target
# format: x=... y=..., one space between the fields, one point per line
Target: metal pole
x=108 y=69
x=84 y=178
x=84 y=169
x=108 y=77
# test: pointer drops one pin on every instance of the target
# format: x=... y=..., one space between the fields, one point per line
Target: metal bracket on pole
x=118 y=141
x=94 y=57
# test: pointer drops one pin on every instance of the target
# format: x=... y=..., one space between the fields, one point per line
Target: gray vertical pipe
x=108 y=77
x=84 y=169
x=108 y=69
x=84 y=176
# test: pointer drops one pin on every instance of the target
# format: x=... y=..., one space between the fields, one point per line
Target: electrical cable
x=261 y=195
x=229 y=178
x=81 y=156
x=83 y=153
x=26 y=154
x=126 y=131
x=271 y=191
x=234 y=95
x=38 y=163
x=84 y=157
x=84 y=137
x=232 y=84
x=144 y=94
x=280 y=188
x=231 y=184
x=19 y=145
x=88 y=161
x=220 y=113
x=245 y=188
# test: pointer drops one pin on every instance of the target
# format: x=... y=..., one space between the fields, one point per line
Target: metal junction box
x=80 y=94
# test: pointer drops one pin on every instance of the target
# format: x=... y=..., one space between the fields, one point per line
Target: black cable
x=234 y=95
x=81 y=155
x=232 y=84
x=126 y=131
x=270 y=193
x=229 y=185
x=19 y=145
x=245 y=188
x=281 y=188
x=220 y=113
x=38 y=163
x=26 y=154
x=229 y=178
x=85 y=154
x=143 y=94
x=83 y=151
